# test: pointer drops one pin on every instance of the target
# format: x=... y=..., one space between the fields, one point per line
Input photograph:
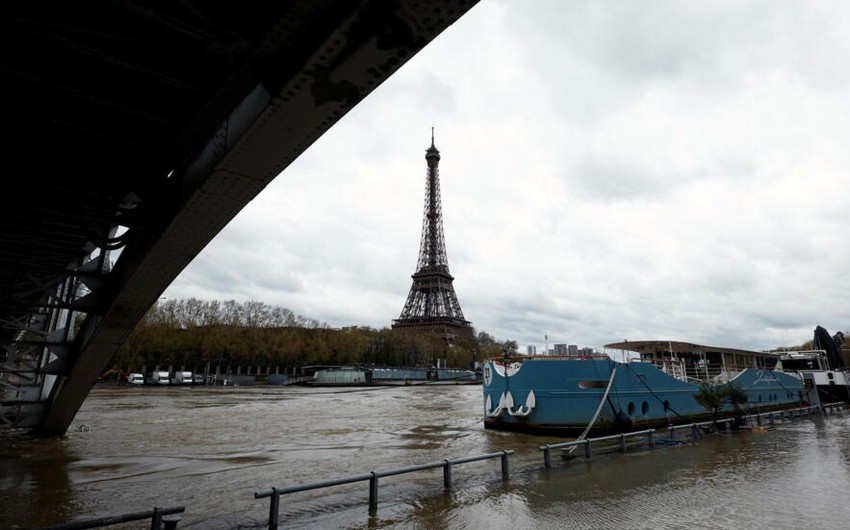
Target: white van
x=182 y=378
x=136 y=379
x=161 y=378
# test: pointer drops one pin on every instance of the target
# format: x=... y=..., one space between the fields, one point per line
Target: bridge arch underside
x=138 y=132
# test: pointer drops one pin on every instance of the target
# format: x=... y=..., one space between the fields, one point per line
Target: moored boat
x=391 y=376
x=666 y=385
x=822 y=368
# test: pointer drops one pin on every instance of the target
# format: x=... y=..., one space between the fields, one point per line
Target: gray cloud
x=609 y=170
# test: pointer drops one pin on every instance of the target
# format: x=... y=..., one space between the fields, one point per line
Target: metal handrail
x=154 y=515
x=372 y=477
x=824 y=408
x=587 y=443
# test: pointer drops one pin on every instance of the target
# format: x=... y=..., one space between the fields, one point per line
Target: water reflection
x=34 y=475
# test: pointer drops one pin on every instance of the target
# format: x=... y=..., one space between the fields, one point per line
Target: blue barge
x=570 y=394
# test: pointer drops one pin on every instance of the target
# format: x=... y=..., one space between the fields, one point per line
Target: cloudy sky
x=610 y=170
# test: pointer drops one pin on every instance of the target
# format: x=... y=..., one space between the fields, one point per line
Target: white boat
x=822 y=368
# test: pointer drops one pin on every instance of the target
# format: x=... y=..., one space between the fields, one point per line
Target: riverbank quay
x=245 y=440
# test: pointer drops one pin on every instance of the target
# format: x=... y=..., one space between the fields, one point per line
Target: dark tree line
x=197 y=333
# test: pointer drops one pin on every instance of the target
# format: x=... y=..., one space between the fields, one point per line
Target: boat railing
x=716 y=373
x=275 y=493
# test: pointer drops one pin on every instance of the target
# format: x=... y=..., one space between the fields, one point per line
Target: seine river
x=210 y=448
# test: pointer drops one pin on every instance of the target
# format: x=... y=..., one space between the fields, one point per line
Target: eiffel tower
x=432 y=303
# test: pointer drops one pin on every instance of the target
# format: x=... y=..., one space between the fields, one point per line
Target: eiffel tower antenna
x=432 y=303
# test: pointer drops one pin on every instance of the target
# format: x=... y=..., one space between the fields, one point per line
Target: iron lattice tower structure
x=432 y=303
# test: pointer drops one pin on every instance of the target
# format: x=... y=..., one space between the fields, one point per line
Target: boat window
x=666 y=405
x=593 y=384
x=631 y=408
x=644 y=407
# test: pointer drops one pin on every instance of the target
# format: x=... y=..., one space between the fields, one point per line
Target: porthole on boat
x=644 y=407
x=631 y=408
x=666 y=405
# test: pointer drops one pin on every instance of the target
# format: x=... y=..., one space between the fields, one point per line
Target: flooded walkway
x=210 y=449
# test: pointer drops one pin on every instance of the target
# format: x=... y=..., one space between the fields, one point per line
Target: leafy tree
x=201 y=334
x=714 y=397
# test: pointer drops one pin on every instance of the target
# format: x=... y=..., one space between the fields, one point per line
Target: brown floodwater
x=210 y=448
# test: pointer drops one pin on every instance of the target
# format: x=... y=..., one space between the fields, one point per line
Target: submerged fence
x=156 y=516
x=372 y=477
x=626 y=440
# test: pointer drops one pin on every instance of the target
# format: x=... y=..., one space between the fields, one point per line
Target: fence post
x=651 y=438
x=588 y=452
x=373 y=492
x=447 y=474
x=505 y=468
x=623 y=443
x=156 y=520
x=547 y=457
x=274 y=509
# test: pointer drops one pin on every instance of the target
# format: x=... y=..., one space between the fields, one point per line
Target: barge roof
x=650 y=346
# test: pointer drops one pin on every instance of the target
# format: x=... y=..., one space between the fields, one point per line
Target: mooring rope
x=598 y=410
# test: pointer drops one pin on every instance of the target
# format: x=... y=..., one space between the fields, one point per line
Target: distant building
x=531 y=350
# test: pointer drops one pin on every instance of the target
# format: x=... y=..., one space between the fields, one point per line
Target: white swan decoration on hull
x=506 y=403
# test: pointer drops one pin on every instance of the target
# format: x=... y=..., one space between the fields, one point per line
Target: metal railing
x=623 y=439
x=155 y=515
x=694 y=428
x=372 y=477
x=825 y=409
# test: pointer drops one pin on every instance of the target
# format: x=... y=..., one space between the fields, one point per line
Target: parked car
x=136 y=379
